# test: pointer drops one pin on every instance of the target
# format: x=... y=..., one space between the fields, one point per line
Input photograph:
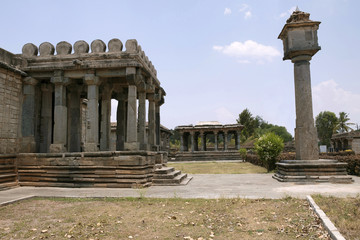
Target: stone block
x=132 y=146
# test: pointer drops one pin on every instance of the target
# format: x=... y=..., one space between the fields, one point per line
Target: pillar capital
x=91 y=79
x=301 y=58
x=131 y=77
x=141 y=86
x=59 y=79
x=30 y=81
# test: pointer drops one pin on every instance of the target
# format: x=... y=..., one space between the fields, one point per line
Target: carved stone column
x=131 y=124
x=192 y=141
x=181 y=141
x=74 y=118
x=46 y=117
x=92 y=135
x=60 y=113
x=203 y=141
x=121 y=121
x=28 y=123
x=105 y=124
x=237 y=140
x=151 y=118
x=216 y=145
x=225 y=141
x=305 y=133
x=141 y=86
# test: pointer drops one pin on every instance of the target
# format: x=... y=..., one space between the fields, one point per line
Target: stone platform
x=312 y=171
x=107 y=169
x=207 y=156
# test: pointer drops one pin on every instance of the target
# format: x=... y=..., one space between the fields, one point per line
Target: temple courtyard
x=254 y=186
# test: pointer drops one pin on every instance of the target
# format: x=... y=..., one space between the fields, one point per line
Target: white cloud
x=247 y=15
x=224 y=116
x=246 y=10
x=244 y=7
x=249 y=50
x=329 y=96
x=227 y=11
x=288 y=12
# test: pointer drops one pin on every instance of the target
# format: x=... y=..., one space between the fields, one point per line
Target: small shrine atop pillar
x=299 y=35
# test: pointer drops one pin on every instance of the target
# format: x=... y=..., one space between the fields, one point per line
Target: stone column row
x=54 y=122
x=194 y=143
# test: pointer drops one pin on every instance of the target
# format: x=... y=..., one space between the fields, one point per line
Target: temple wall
x=10 y=102
x=356 y=145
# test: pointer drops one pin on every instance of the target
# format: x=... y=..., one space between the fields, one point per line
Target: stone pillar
x=192 y=141
x=142 y=115
x=105 y=124
x=181 y=142
x=157 y=119
x=131 y=143
x=28 y=118
x=60 y=113
x=121 y=122
x=196 y=144
x=92 y=129
x=74 y=119
x=152 y=125
x=216 y=145
x=225 y=141
x=237 y=140
x=203 y=141
x=305 y=132
x=46 y=117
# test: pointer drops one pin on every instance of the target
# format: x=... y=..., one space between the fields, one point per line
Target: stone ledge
x=330 y=227
x=322 y=170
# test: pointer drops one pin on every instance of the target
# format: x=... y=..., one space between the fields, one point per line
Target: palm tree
x=343 y=125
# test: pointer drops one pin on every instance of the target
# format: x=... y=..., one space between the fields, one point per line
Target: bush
x=268 y=148
x=243 y=153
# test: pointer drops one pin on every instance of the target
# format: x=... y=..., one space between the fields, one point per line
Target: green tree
x=325 y=122
x=249 y=122
x=268 y=148
x=343 y=124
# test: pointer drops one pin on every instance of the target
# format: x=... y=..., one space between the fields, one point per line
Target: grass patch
x=217 y=167
x=148 y=218
x=343 y=212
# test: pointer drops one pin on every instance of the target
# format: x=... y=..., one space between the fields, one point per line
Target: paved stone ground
x=201 y=186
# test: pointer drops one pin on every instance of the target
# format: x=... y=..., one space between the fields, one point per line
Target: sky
x=214 y=58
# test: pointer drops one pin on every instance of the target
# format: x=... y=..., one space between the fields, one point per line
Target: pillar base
x=304 y=171
x=91 y=147
x=131 y=146
x=57 y=148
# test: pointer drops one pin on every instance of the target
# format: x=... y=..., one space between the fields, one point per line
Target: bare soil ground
x=343 y=212
x=217 y=167
x=146 y=218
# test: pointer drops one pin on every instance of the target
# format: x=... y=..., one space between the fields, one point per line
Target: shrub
x=243 y=152
x=268 y=148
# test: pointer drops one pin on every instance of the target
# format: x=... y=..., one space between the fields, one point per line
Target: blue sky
x=213 y=58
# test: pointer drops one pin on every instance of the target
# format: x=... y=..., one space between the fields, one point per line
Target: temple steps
x=168 y=176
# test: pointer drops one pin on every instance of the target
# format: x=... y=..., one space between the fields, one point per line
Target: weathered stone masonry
x=55 y=106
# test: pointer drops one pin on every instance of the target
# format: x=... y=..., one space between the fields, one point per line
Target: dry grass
x=130 y=218
x=217 y=167
x=343 y=212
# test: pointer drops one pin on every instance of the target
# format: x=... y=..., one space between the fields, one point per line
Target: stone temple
x=55 y=127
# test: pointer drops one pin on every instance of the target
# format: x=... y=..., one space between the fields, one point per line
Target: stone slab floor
x=201 y=186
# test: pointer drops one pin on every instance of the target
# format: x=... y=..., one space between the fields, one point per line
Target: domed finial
x=297 y=9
